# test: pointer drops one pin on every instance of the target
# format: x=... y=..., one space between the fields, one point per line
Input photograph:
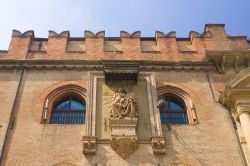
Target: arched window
x=64 y=103
x=175 y=105
x=68 y=110
x=172 y=111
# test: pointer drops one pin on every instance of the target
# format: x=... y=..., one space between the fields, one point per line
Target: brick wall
x=8 y=86
x=211 y=142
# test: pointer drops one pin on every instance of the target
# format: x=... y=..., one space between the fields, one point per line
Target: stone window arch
x=182 y=110
x=65 y=104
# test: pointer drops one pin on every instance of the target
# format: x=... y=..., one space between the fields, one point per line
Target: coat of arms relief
x=123 y=122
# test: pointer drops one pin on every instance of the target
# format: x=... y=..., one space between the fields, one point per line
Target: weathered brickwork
x=8 y=84
x=200 y=65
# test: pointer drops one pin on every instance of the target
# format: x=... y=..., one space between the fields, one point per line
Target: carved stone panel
x=123 y=104
x=123 y=122
x=124 y=146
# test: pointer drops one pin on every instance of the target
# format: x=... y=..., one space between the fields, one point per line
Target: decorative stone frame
x=56 y=92
x=156 y=130
x=184 y=96
x=236 y=98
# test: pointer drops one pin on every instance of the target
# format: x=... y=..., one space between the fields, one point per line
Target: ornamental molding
x=235 y=93
x=93 y=65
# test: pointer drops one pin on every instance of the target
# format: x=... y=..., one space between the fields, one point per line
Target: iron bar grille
x=68 y=117
x=173 y=117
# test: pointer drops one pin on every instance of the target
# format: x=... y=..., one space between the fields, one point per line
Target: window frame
x=176 y=91
x=61 y=90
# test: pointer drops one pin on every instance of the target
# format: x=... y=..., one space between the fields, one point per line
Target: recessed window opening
x=173 y=110
x=68 y=110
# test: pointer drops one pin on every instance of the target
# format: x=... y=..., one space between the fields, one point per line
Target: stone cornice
x=97 y=65
x=229 y=59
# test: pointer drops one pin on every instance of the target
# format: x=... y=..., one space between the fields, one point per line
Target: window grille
x=68 y=111
x=173 y=112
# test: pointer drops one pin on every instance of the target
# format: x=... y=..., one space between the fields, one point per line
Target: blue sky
x=112 y=16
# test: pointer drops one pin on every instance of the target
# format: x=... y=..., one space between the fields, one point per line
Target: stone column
x=244 y=117
x=243 y=143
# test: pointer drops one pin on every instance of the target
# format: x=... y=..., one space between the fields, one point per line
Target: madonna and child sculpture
x=123 y=105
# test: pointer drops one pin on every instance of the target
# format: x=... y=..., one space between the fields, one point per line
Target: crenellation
x=94 y=47
x=168 y=45
x=57 y=43
x=124 y=34
x=130 y=46
x=89 y=34
x=20 y=44
x=159 y=34
x=16 y=33
x=194 y=34
x=53 y=34
x=171 y=34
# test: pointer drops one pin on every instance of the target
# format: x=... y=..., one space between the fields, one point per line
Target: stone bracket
x=158 y=145
x=89 y=144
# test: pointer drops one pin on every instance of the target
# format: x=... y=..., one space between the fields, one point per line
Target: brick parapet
x=167 y=47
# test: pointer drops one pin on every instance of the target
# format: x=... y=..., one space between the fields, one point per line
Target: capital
x=240 y=109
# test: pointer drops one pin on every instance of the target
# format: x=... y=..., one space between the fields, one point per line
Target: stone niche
x=123 y=114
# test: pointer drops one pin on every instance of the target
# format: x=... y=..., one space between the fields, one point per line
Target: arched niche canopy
x=237 y=90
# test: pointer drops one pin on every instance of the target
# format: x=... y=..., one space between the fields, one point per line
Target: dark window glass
x=173 y=112
x=68 y=111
